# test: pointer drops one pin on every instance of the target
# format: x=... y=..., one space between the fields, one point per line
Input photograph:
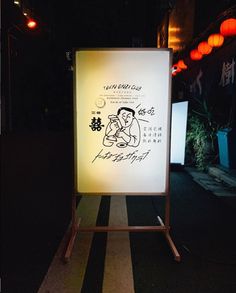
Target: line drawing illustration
x=123 y=129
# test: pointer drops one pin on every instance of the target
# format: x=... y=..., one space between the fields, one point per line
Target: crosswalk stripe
x=95 y=267
x=118 y=274
x=68 y=278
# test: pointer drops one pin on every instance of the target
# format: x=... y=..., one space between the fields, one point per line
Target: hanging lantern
x=228 y=27
x=174 y=73
x=195 y=55
x=215 y=40
x=31 y=23
x=204 y=48
x=176 y=68
x=181 y=64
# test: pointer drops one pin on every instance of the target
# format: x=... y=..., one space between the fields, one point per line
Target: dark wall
x=210 y=85
x=206 y=13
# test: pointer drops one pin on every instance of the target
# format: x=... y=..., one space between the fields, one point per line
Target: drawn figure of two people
x=123 y=129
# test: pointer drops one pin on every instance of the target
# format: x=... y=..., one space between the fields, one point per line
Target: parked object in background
x=178 y=132
x=227 y=147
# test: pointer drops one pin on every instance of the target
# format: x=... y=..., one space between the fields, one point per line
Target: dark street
x=36 y=185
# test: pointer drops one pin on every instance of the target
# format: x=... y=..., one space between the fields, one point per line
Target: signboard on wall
x=178 y=132
x=122 y=121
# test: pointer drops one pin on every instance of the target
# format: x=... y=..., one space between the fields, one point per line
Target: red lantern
x=174 y=73
x=181 y=64
x=195 y=55
x=228 y=27
x=32 y=24
x=204 y=48
x=176 y=68
x=215 y=40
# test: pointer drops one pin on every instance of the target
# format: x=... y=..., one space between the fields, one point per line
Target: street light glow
x=31 y=24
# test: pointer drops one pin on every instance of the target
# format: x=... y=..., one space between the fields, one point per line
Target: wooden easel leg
x=73 y=233
x=172 y=247
x=170 y=241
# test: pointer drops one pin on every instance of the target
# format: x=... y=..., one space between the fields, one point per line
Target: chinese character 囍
x=96 y=124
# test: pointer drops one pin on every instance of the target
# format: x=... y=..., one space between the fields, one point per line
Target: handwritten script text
x=118 y=157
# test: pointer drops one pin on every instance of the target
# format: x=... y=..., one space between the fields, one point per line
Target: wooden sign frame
x=162 y=190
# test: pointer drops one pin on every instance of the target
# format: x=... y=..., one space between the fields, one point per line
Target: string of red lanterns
x=216 y=40
x=31 y=23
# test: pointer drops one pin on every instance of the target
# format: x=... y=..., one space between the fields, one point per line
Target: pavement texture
x=218 y=180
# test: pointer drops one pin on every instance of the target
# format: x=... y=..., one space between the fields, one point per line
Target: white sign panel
x=122 y=121
x=178 y=132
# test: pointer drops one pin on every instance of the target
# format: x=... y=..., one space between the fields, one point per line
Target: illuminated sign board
x=122 y=121
x=178 y=132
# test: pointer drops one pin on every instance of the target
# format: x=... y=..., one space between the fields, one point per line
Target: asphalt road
x=36 y=185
